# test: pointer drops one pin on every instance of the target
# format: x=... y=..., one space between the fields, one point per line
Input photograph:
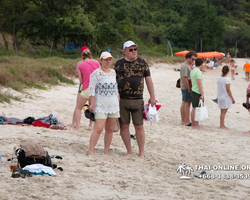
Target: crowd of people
x=117 y=94
x=192 y=89
x=113 y=94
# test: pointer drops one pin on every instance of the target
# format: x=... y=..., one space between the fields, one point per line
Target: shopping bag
x=201 y=112
x=117 y=125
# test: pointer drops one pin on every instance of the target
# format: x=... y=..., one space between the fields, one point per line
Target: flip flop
x=245 y=105
x=87 y=114
x=215 y=100
x=132 y=137
x=190 y=124
x=92 y=117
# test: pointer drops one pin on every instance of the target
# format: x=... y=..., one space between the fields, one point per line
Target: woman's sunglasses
x=130 y=50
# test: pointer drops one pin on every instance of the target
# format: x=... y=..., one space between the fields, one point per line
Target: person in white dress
x=104 y=102
x=224 y=94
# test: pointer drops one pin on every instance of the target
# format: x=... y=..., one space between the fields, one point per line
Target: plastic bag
x=201 y=112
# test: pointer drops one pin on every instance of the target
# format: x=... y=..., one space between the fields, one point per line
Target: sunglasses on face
x=193 y=59
x=130 y=50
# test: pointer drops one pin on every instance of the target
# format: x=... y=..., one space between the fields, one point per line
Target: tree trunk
x=14 y=38
x=4 y=39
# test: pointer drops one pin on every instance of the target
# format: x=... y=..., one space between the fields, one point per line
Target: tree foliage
x=212 y=24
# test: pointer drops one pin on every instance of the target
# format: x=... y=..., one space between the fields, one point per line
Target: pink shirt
x=86 y=68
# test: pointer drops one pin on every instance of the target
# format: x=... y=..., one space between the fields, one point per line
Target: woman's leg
x=98 y=127
x=222 y=118
x=90 y=122
x=233 y=74
x=109 y=127
x=77 y=114
x=73 y=119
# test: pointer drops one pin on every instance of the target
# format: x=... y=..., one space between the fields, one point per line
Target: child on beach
x=232 y=65
x=197 y=93
x=224 y=94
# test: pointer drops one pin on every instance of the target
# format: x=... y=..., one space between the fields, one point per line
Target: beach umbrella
x=181 y=53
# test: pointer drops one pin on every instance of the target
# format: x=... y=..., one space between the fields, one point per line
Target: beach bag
x=178 y=83
x=201 y=112
x=32 y=153
x=117 y=125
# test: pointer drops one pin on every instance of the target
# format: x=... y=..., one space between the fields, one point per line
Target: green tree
x=203 y=25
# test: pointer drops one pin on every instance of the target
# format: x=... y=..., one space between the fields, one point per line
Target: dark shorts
x=247 y=73
x=195 y=99
x=186 y=96
x=133 y=107
x=80 y=88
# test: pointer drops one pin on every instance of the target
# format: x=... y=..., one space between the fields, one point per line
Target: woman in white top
x=104 y=102
x=224 y=94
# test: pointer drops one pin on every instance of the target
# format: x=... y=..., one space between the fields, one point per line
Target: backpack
x=32 y=153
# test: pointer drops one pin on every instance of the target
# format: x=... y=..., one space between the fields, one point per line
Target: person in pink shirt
x=85 y=68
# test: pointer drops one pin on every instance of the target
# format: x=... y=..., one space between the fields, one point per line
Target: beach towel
x=40 y=123
x=151 y=113
x=14 y=120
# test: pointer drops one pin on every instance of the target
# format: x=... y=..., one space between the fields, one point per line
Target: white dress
x=104 y=87
x=224 y=100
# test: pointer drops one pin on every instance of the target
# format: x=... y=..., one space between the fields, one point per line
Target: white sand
x=117 y=177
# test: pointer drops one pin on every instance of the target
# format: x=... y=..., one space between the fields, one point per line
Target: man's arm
x=200 y=88
x=151 y=91
x=186 y=83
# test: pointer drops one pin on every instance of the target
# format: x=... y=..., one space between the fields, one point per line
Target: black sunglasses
x=193 y=59
x=135 y=49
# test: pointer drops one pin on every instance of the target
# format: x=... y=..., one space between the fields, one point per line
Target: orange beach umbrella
x=181 y=53
x=201 y=55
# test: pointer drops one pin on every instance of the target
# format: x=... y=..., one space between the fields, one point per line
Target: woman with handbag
x=197 y=93
x=224 y=94
x=104 y=102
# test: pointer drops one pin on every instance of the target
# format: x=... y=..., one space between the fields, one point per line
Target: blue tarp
x=72 y=46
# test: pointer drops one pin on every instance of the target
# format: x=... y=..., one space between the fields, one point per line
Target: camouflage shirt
x=130 y=77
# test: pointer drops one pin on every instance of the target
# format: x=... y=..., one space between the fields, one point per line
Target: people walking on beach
x=224 y=94
x=130 y=73
x=232 y=66
x=85 y=68
x=197 y=91
x=185 y=83
x=228 y=58
x=246 y=68
x=104 y=102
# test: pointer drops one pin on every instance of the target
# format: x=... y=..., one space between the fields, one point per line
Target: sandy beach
x=119 y=177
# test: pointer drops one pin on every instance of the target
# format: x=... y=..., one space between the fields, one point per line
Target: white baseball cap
x=105 y=55
x=129 y=44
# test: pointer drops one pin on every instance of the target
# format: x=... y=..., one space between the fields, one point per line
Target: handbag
x=178 y=83
x=117 y=125
x=201 y=112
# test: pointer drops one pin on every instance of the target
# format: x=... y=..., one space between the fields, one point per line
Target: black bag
x=178 y=83
x=23 y=160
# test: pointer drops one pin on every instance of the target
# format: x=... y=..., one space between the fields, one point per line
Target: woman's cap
x=105 y=55
x=128 y=44
x=84 y=48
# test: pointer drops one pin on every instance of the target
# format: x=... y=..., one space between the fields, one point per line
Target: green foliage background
x=200 y=25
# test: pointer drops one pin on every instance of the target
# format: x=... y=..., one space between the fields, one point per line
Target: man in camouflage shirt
x=130 y=74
